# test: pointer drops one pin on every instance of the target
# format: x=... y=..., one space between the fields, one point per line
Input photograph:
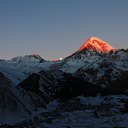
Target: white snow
x=19 y=68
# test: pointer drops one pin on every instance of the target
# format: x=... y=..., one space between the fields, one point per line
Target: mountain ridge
x=32 y=82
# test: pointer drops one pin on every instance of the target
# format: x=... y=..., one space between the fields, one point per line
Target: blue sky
x=57 y=28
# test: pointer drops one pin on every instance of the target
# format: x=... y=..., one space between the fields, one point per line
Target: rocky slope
x=16 y=103
x=55 y=84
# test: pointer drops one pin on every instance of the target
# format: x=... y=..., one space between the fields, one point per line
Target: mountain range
x=28 y=84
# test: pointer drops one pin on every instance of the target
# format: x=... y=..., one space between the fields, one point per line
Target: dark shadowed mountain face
x=16 y=103
x=57 y=84
x=9 y=102
x=118 y=86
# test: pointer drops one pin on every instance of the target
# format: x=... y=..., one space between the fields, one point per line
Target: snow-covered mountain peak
x=96 y=44
x=33 y=57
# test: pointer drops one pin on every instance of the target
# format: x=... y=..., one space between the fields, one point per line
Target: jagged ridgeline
x=30 y=83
